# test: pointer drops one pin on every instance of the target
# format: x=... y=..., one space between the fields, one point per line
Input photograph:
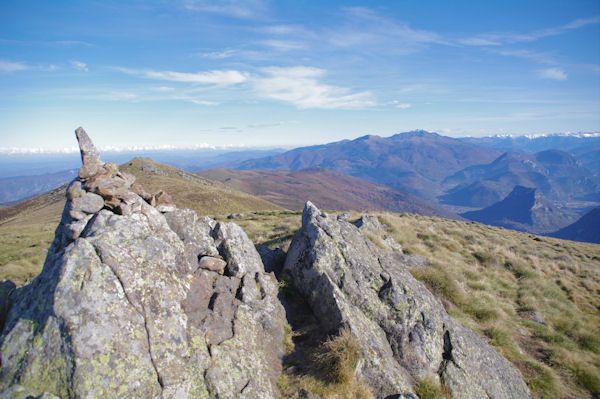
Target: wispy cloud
x=542 y=58
x=283 y=45
x=365 y=26
x=216 y=77
x=553 y=73
x=163 y=89
x=11 y=66
x=245 y=9
x=70 y=43
x=500 y=38
x=79 y=65
x=301 y=87
x=218 y=55
x=403 y=105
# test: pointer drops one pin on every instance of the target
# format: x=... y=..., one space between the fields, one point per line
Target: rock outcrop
x=143 y=301
x=404 y=332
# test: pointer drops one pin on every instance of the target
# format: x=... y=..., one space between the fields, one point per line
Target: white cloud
x=553 y=73
x=219 y=55
x=283 y=45
x=164 y=89
x=217 y=77
x=79 y=65
x=366 y=27
x=10 y=66
x=300 y=86
x=230 y=8
x=202 y=102
x=404 y=105
x=541 y=58
x=498 y=38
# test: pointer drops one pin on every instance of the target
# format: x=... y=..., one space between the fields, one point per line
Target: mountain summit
x=415 y=162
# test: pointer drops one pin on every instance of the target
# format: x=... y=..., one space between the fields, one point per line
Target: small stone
x=111 y=168
x=88 y=170
x=88 y=203
x=212 y=264
x=162 y=198
x=74 y=190
x=235 y=216
x=77 y=215
x=129 y=204
x=139 y=190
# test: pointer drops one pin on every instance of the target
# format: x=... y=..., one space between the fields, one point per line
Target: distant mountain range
x=16 y=188
x=586 y=229
x=416 y=171
x=532 y=143
x=415 y=162
x=327 y=189
x=524 y=209
x=585 y=146
x=557 y=174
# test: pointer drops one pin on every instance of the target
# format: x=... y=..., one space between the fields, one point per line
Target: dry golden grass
x=495 y=280
x=204 y=196
x=332 y=371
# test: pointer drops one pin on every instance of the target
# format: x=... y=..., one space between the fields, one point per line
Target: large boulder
x=404 y=332
x=122 y=307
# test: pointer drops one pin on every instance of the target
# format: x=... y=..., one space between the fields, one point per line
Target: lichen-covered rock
x=237 y=249
x=122 y=309
x=404 y=332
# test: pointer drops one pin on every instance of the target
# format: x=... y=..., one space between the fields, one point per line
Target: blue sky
x=273 y=73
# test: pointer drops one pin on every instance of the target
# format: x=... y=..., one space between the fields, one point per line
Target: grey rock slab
x=237 y=249
x=404 y=332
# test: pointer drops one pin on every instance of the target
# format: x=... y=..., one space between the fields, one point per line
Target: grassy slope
x=492 y=280
x=205 y=196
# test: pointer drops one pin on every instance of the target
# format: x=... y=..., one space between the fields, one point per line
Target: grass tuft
x=439 y=282
x=337 y=358
x=429 y=388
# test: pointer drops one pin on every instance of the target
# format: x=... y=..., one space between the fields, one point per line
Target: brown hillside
x=325 y=188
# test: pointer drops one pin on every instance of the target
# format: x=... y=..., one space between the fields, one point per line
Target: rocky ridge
x=138 y=298
x=404 y=332
x=138 y=302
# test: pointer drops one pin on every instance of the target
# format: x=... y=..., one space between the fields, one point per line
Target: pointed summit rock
x=404 y=333
x=90 y=157
x=124 y=308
